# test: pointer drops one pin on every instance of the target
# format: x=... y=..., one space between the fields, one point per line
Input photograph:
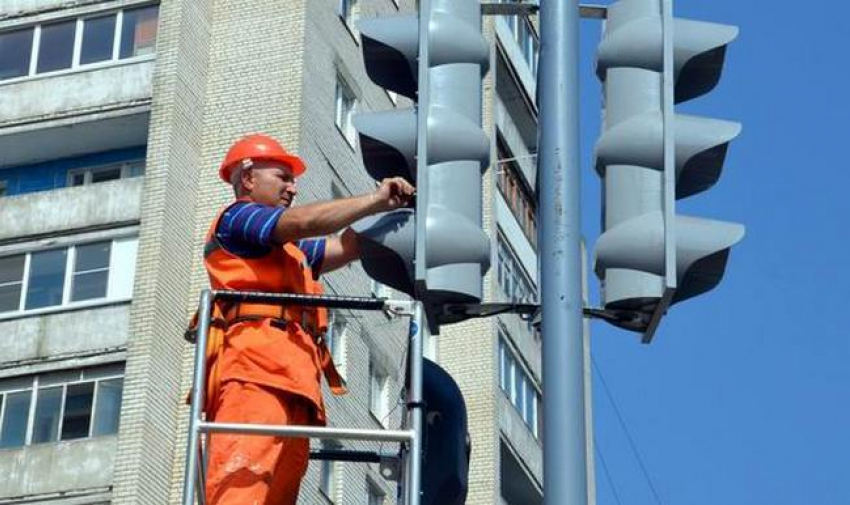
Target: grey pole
x=198 y=389
x=413 y=477
x=564 y=455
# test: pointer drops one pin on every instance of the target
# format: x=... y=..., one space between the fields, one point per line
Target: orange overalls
x=265 y=370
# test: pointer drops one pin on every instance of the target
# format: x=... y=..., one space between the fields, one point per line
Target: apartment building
x=114 y=116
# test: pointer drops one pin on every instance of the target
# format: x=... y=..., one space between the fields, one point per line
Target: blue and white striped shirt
x=245 y=230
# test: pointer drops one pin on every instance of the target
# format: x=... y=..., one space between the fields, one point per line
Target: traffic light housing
x=447 y=447
x=437 y=252
x=647 y=256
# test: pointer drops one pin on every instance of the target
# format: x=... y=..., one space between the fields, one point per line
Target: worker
x=267 y=368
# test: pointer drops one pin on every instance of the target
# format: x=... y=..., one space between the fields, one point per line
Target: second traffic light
x=647 y=257
x=437 y=252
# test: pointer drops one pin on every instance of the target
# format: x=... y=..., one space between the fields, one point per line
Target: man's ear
x=247 y=178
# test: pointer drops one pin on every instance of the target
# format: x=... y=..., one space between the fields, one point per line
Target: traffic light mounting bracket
x=624 y=318
x=521 y=8
x=669 y=174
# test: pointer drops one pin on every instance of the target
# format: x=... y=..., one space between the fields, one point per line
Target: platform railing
x=410 y=437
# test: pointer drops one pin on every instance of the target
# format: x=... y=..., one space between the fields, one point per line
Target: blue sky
x=744 y=396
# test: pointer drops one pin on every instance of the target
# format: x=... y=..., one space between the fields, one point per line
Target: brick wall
x=149 y=434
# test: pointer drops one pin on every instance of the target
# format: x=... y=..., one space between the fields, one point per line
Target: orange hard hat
x=259 y=147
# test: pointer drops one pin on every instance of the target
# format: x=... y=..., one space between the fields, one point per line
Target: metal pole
x=413 y=471
x=198 y=386
x=564 y=450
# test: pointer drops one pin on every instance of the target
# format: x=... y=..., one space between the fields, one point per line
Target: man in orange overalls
x=268 y=368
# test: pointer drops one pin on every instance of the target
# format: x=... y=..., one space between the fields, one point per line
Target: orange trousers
x=251 y=469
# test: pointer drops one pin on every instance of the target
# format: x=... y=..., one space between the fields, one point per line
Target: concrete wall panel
x=86 y=90
x=72 y=465
x=72 y=208
x=11 y=7
x=523 y=442
x=64 y=333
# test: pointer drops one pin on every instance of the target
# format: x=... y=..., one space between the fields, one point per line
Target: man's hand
x=393 y=193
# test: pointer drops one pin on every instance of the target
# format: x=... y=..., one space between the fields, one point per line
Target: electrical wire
x=626 y=431
x=606 y=472
x=399 y=402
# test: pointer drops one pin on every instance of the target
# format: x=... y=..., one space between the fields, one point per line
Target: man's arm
x=340 y=251
x=325 y=218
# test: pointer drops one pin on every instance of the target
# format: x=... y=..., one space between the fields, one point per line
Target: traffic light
x=647 y=256
x=436 y=58
x=447 y=448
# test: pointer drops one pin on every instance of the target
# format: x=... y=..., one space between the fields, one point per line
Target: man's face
x=270 y=183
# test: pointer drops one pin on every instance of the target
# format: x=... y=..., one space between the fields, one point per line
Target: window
x=56 y=46
x=376 y=496
x=518 y=386
x=377 y=392
x=13 y=429
x=529 y=44
x=345 y=105
x=63 y=405
x=328 y=472
x=98 y=39
x=15 y=53
x=91 y=271
x=525 y=35
x=516 y=193
x=11 y=281
x=512 y=279
x=46 y=278
x=336 y=337
x=64 y=277
x=94 y=175
x=65 y=172
x=138 y=31
x=76 y=42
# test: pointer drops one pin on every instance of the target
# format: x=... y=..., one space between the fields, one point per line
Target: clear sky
x=744 y=396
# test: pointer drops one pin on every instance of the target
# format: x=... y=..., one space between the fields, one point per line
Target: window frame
x=329 y=473
x=376 y=373
x=35 y=383
x=529 y=43
x=510 y=270
x=72 y=273
x=336 y=341
x=120 y=32
x=81 y=26
x=35 y=58
x=88 y=172
x=527 y=39
x=79 y=20
x=516 y=193
x=344 y=117
x=522 y=390
x=28 y=63
x=67 y=284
